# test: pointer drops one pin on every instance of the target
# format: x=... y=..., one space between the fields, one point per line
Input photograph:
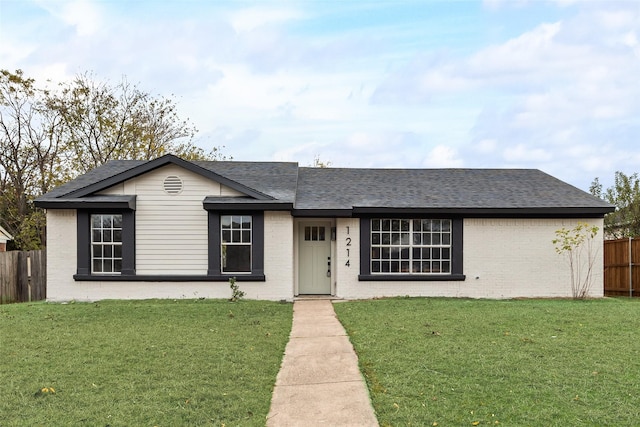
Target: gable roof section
x=270 y=183
x=163 y=161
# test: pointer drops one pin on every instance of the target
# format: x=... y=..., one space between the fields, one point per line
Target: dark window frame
x=83 y=270
x=257 y=247
x=456 y=252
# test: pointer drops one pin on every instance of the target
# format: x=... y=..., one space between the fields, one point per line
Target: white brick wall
x=503 y=258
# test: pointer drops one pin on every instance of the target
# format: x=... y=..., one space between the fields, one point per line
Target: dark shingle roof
x=337 y=189
x=330 y=188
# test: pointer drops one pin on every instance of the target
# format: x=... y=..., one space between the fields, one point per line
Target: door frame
x=298 y=232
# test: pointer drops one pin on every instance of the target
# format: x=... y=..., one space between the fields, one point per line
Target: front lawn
x=143 y=363
x=451 y=362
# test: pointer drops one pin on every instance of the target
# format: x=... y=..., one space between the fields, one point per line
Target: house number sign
x=348 y=247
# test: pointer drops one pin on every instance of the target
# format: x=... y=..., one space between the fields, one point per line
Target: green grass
x=457 y=362
x=142 y=363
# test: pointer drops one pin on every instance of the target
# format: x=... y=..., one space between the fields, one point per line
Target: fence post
x=630 y=267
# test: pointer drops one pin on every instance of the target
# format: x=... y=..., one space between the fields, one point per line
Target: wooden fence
x=23 y=276
x=622 y=267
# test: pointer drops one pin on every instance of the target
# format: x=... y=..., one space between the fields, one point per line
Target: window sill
x=411 y=277
x=166 y=278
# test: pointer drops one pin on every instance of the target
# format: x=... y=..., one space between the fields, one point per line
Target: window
x=314 y=233
x=418 y=246
x=106 y=243
x=410 y=249
x=235 y=243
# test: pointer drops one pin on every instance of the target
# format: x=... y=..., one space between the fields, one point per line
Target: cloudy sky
x=553 y=85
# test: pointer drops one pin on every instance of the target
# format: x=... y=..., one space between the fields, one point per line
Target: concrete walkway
x=319 y=383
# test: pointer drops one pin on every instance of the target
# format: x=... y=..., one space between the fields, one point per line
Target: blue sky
x=552 y=85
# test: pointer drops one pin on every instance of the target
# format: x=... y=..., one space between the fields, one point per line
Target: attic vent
x=172 y=184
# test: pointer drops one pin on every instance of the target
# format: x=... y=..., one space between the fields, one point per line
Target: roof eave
x=102 y=202
x=526 y=212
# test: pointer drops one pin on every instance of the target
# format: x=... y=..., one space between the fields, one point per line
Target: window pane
x=404 y=238
x=321 y=232
x=97 y=266
x=106 y=221
x=404 y=267
x=117 y=251
x=416 y=267
x=435 y=239
x=117 y=221
x=236 y=259
x=117 y=265
x=446 y=239
x=246 y=222
x=235 y=236
x=386 y=253
x=386 y=266
x=375 y=239
x=117 y=235
x=395 y=253
x=375 y=224
x=446 y=225
x=395 y=239
x=426 y=238
x=307 y=233
x=395 y=225
x=417 y=225
x=236 y=221
x=417 y=239
x=386 y=225
x=97 y=251
x=108 y=251
x=375 y=253
x=404 y=253
x=446 y=267
x=246 y=236
x=375 y=267
x=96 y=220
x=96 y=236
x=225 y=221
x=106 y=235
x=226 y=236
x=106 y=266
x=395 y=267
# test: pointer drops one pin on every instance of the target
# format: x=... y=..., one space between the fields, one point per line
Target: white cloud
x=86 y=16
x=249 y=19
x=443 y=156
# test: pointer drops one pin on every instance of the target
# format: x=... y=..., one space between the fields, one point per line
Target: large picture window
x=411 y=249
x=235 y=243
x=106 y=243
x=411 y=246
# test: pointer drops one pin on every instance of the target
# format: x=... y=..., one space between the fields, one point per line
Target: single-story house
x=4 y=238
x=171 y=228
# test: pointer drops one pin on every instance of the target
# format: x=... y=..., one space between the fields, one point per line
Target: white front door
x=315 y=258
